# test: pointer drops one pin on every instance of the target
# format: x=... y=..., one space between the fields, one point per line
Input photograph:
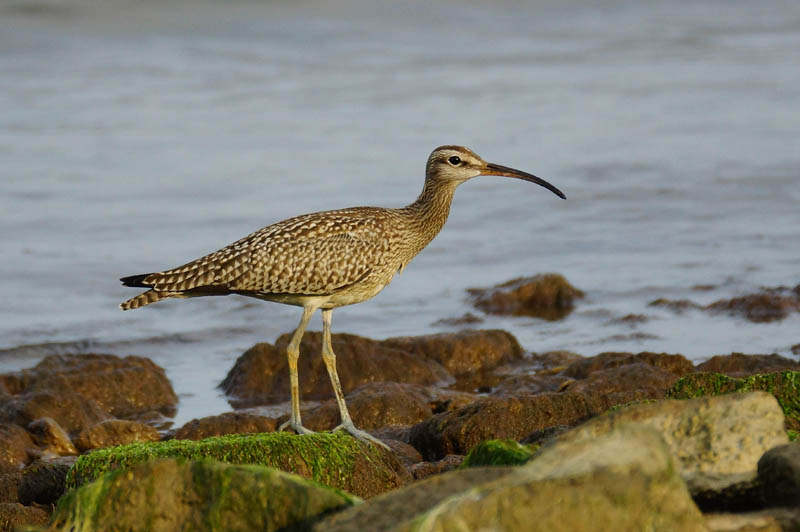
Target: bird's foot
x=295 y=426
x=361 y=435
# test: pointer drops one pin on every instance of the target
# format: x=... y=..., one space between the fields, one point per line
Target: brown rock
x=73 y=412
x=464 y=352
x=14 y=444
x=123 y=387
x=50 y=437
x=9 y=485
x=14 y=515
x=795 y=349
x=465 y=319
x=553 y=361
x=44 y=481
x=428 y=469
x=742 y=365
x=405 y=453
x=548 y=296
x=227 y=423
x=261 y=375
x=508 y=417
x=530 y=385
x=679 y=306
x=372 y=405
x=114 y=432
x=674 y=364
x=761 y=307
x=779 y=473
x=651 y=380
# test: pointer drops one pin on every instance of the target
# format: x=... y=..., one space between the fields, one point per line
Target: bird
x=326 y=260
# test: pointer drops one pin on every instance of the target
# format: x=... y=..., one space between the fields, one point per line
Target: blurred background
x=136 y=136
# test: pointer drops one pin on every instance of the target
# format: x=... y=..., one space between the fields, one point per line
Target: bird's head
x=458 y=164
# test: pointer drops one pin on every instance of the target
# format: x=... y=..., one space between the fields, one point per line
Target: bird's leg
x=292 y=354
x=329 y=358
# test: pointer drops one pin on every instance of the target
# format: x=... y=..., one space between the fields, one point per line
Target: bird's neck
x=428 y=214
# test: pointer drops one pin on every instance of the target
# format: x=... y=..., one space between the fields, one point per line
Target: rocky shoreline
x=482 y=434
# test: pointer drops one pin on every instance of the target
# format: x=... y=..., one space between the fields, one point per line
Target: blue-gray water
x=137 y=136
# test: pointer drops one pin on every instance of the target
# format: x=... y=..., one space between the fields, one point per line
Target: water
x=135 y=137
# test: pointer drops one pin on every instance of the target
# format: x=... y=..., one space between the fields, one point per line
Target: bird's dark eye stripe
x=455 y=160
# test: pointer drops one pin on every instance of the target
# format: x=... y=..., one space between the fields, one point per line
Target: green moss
x=784 y=385
x=327 y=458
x=498 y=452
x=793 y=435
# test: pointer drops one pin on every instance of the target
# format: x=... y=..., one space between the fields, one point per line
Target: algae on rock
x=333 y=459
x=784 y=385
x=497 y=453
x=172 y=495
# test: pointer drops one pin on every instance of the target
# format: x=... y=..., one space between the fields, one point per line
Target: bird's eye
x=455 y=160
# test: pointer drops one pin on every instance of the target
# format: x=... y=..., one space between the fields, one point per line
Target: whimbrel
x=326 y=260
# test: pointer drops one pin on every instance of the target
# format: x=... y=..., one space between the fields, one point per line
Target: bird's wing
x=309 y=255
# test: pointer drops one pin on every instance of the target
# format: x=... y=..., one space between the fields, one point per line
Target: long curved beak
x=496 y=169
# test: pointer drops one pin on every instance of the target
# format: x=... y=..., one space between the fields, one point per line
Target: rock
x=227 y=423
x=548 y=296
x=456 y=432
x=652 y=381
x=770 y=520
x=736 y=492
x=498 y=453
x=679 y=306
x=741 y=365
x=720 y=436
x=551 y=362
x=123 y=387
x=14 y=445
x=423 y=470
x=625 y=480
x=115 y=432
x=50 y=437
x=44 y=481
x=779 y=473
x=73 y=412
x=761 y=307
x=407 y=454
x=261 y=375
x=14 y=515
x=467 y=318
x=674 y=364
x=462 y=353
x=391 y=510
x=795 y=349
x=516 y=385
x=372 y=405
x=9 y=485
x=203 y=496
x=336 y=460
x=785 y=386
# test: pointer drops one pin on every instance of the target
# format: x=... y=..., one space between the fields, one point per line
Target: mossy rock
x=793 y=435
x=784 y=385
x=333 y=459
x=496 y=453
x=168 y=494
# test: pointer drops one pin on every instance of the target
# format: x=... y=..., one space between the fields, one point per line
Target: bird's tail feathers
x=145 y=298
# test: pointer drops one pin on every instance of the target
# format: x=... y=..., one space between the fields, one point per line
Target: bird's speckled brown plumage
x=326 y=259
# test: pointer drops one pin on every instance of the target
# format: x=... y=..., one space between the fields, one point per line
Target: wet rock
x=584 y=367
x=516 y=385
x=544 y=436
x=450 y=462
x=737 y=492
x=124 y=387
x=547 y=296
x=779 y=473
x=168 y=495
x=741 y=365
x=717 y=436
x=9 y=485
x=73 y=412
x=651 y=380
x=14 y=444
x=336 y=460
x=407 y=454
x=466 y=319
x=784 y=386
x=44 y=481
x=50 y=437
x=679 y=306
x=227 y=423
x=762 y=307
x=261 y=375
x=498 y=453
x=388 y=512
x=464 y=352
x=456 y=432
x=115 y=432
x=795 y=349
x=551 y=362
x=629 y=319
x=772 y=520
x=372 y=405
x=14 y=515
